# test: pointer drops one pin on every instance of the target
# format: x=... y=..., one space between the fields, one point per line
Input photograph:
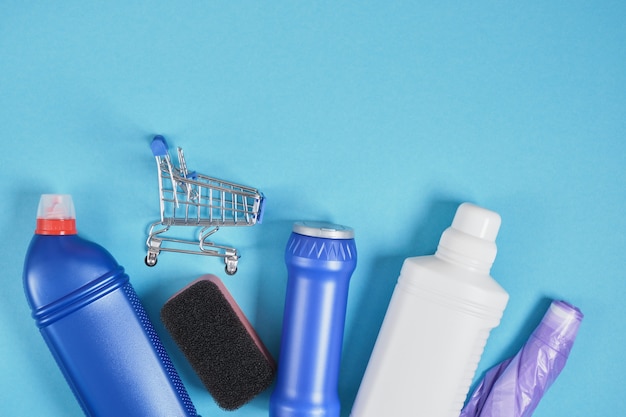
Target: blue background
x=381 y=116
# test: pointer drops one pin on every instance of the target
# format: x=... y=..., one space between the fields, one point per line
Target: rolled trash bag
x=514 y=387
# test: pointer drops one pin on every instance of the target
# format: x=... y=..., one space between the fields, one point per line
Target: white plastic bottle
x=436 y=325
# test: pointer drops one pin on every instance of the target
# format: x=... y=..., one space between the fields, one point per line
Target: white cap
x=471 y=237
x=56 y=206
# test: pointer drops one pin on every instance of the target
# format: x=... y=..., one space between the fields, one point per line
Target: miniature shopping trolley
x=196 y=200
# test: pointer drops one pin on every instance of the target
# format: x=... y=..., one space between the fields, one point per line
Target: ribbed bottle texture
x=162 y=354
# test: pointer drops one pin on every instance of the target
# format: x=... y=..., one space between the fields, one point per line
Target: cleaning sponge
x=218 y=341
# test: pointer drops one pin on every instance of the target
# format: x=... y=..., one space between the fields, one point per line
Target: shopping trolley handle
x=159 y=146
x=261 y=212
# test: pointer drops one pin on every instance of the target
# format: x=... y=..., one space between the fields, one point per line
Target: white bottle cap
x=471 y=237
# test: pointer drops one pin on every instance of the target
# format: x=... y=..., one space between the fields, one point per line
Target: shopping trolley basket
x=191 y=199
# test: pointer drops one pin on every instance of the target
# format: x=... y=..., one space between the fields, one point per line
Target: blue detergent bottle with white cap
x=95 y=325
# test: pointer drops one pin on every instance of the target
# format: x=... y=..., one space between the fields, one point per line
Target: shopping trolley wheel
x=151 y=260
x=231 y=266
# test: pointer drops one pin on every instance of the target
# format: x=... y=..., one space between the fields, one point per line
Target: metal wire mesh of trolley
x=192 y=199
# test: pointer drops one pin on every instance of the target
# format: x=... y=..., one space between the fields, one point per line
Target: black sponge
x=218 y=341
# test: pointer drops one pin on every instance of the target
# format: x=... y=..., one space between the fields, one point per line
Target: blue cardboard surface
x=383 y=117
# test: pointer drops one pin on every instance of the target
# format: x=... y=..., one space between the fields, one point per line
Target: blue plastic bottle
x=94 y=324
x=320 y=259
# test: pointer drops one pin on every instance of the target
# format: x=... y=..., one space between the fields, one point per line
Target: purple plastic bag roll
x=514 y=387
